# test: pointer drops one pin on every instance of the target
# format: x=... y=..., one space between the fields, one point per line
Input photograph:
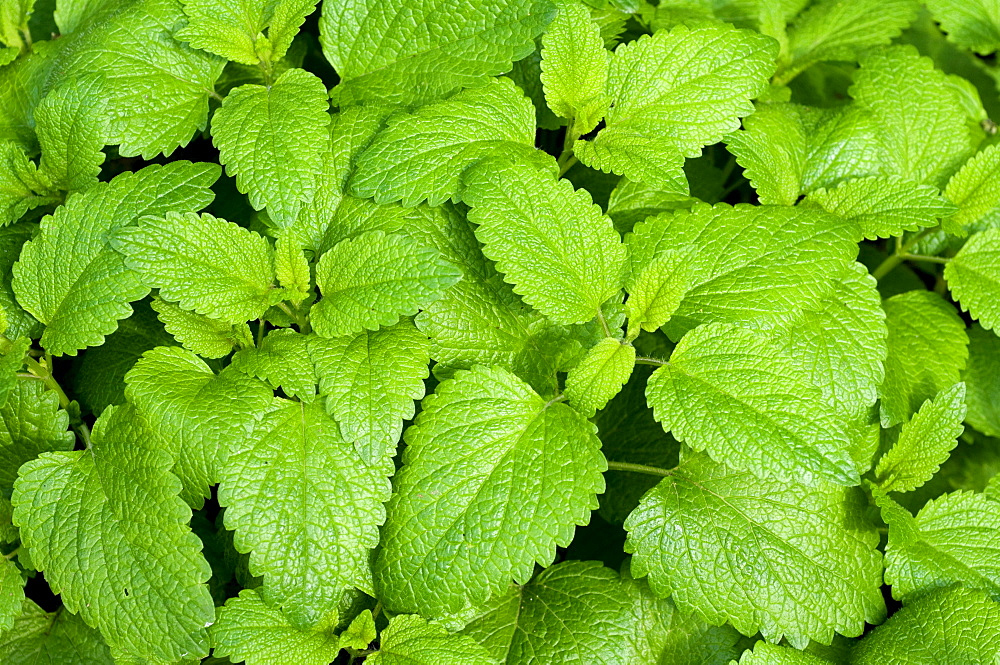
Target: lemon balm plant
x=505 y=331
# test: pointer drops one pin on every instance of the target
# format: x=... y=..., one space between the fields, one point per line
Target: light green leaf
x=235 y=30
x=19 y=322
x=14 y=16
x=798 y=561
x=975 y=189
x=249 y=631
x=953 y=626
x=69 y=277
x=656 y=290
x=753 y=265
x=202 y=263
x=22 y=188
x=31 y=423
x=973 y=25
x=674 y=93
x=738 y=396
x=927 y=351
x=373 y=279
x=632 y=202
x=422 y=155
x=72 y=123
x=557 y=249
x=208 y=337
x=413 y=53
x=360 y=633
x=11 y=594
x=600 y=375
x=411 y=640
x=772 y=654
x=369 y=382
x=111 y=534
x=11 y=362
x=485 y=452
x=282 y=359
x=885 y=206
x=575 y=68
x=982 y=381
x=200 y=416
x=296 y=485
x=924 y=442
x=271 y=139
x=772 y=149
x=57 y=638
x=291 y=267
x=973 y=277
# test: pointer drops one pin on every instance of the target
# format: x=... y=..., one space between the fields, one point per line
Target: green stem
x=901 y=254
x=300 y=321
x=44 y=373
x=567 y=159
x=650 y=361
x=604 y=323
x=216 y=96
x=640 y=468
x=260 y=332
x=13 y=554
x=930 y=259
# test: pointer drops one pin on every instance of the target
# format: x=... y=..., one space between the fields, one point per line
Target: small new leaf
x=208 y=337
x=600 y=375
x=574 y=68
x=411 y=640
x=656 y=290
x=974 y=277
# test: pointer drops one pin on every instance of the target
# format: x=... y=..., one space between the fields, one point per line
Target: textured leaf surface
x=249 y=631
x=767 y=555
x=415 y=52
x=270 y=138
x=575 y=68
x=282 y=359
x=71 y=280
x=772 y=151
x=423 y=155
x=485 y=453
x=201 y=416
x=71 y=123
x=31 y=423
x=19 y=322
x=735 y=394
x=209 y=338
x=374 y=279
x=974 y=25
x=59 y=638
x=295 y=485
x=974 y=277
x=600 y=375
x=204 y=264
x=110 y=531
x=410 y=640
x=982 y=381
x=772 y=654
x=550 y=241
x=11 y=594
x=21 y=187
x=656 y=290
x=975 y=189
x=234 y=29
x=369 y=382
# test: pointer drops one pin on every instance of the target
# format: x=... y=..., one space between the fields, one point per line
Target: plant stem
x=604 y=323
x=44 y=373
x=902 y=254
x=650 y=361
x=13 y=554
x=567 y=159
x=640 y=468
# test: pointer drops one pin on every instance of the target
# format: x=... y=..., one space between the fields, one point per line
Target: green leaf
x=11 y=362
x=574 y=68
x=202 y=263
x=11 y=594
x=948 y=627
x=885 y=206
x=69 y=277
x=22 y=188
x=927 y=352
x=975 y=190
x=600 y=375
x=71 y=122
x=557 y=249
x=413 y=53
x=410 y=640
x=924 y=442
x=13 y=20
x=235 y=30
x=201 y=415
x=283 y=360
x=772 y=654
x=982 y=381
x=752 y=265
x=374 y=279
x=271 y=139
x=31 y=423
x=738 y=396
x=973 y=277
x=772 y=150
x=291 y=267
x=57 y=638
x=360 y=633
x=632 y=202
x=799 y=560
x=249 y=631
x=973 y=25
x=208 y=337
x=369 y=382
x=422 y=155
x=656 y=290
x=110 y=532
x=296 y=485
x=674 y=93
x=19 y=322
x=485 y=452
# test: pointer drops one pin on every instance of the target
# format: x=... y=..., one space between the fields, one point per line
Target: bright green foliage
x=22 y=187
x=973 y=25
x=772 y=654
x=11 y=594
x=19 y=322
x=110 y=531
x=948 y=627
x=374 y=279
x=574 y=68
x=975 y=189
x=927 y=352
x=924 y=442
x=982 y=381
x=413 y=52
x=556 y=248
x=885 y=206
x=71 y=280
x=291 y=267
x=600 y=375
x=369 y=382
x=484 y=441
x=974 y=277
x=282 y=359
x=772 y=151
x=674 y=93
x=771 y=579
x=656 y=290
x=10 y=363
x=71 y=123
x=296 y=485
x=361 y=632
x=424 y=154
x=733 y=393
x=235 y=29
x=208 y=265
x=410 y=640
x=208 y=337
x=271 y=139
x=249 y=631
x=31 y=423
x=58 y=638
x=14 y=20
